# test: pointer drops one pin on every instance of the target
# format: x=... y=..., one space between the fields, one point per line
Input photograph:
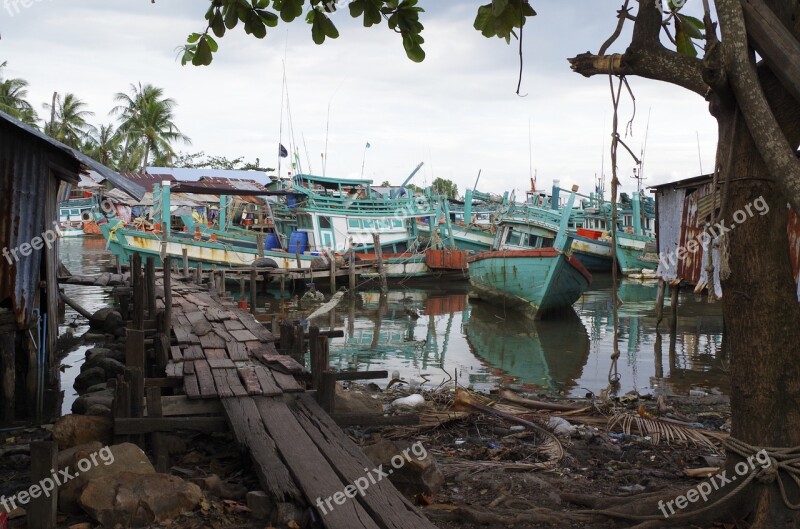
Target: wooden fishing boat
x=528 y=271
x=636 y=248
x=315 y=228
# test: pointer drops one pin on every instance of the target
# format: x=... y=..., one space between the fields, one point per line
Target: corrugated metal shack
x=682 y=210
x=33 y=169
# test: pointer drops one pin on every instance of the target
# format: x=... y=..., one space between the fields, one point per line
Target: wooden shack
x=33 y=169
x=683 y=209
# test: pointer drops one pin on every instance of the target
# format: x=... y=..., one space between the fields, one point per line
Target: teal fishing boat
x=320 y=218
x=636 y=246
x=529 y=271
x=473 y=221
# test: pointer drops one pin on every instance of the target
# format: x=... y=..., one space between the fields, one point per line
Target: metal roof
x=327 y=181
x=112 y=176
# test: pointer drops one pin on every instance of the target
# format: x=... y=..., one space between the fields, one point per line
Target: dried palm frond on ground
x=662 y=431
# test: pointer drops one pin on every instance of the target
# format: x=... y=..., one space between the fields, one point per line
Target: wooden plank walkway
x=299 y=453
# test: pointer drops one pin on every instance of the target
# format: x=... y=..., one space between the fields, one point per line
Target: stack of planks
x=217 y=351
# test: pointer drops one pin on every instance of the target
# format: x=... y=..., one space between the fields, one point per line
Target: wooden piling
x=198 y=274
x=7 y=376
x=185 y=256
x=298 y=348
x=673 y=325
x=333 y=272
x=662 y=286
x=150 y=285
x=260 y=244
x=135 y=378
x=326 y=396
x=167 y=295
x=122 y=405
x=253 y=291
x=155 y=410
x=376 y=238
x=43 y=507
x=351 y=270
x=320 y=356
x=286 y=337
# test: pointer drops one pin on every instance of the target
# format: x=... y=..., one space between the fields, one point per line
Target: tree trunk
x=762 y=326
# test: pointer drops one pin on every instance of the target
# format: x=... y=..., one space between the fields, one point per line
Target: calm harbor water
x=436 y=334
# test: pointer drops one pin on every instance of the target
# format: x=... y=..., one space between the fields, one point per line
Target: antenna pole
x=699 y=156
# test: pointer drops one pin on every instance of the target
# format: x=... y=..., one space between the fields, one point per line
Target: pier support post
x=185 y=256
x=7 y=376
x=298 y=344
x=286 y=337
x=673 y=325
x=351 y=271
x=253 y=291
x=155 y=410
x=376 y=238
x=150 y=285
x=333 y=272
x=326 y=396
x=198 y=274
x=662 y=286
x=167 y=296
x=260 y=244
x=42 y=509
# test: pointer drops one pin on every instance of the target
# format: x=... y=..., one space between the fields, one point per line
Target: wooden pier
x=197 y=362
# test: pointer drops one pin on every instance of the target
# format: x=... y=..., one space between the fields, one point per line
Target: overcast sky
x=457 y=111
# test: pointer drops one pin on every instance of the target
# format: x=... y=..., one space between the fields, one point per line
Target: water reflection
x=84 y=256
x=435 y=335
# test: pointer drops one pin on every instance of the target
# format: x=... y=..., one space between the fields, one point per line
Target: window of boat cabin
x=514 y=237
x=325 y=222
x=369 y=224
x=304 y=221
x=354 y=223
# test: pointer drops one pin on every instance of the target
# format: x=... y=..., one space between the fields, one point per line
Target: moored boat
x=529 y=272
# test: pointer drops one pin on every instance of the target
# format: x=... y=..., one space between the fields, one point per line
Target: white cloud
x=457 y=111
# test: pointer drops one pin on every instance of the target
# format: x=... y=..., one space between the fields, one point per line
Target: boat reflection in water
x=546 y=355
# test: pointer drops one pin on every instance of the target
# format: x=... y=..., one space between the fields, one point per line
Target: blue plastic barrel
x=271 y=241
x=291 y=201
x=298 y=242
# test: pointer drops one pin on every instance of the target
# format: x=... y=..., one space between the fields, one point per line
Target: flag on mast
x=282 y=152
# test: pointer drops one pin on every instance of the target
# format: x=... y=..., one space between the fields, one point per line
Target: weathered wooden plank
x=197 y=299
x=286 y=382
x=237 y=351
x=221 y=380
x=384 y=504
x=125 y=426
x=205 y=380
x=188 y=367
x=196 y=317
x=268 y=385
x=193 y=352
x=176 y=353
x=250 y=380
x=257 y=328
x=310 y=468
x=190 y=385
x=218 y=358
x=283 y=363
x=244 y=336
x=194 y=339
x=174 y=370
x=233 y=325
x=235 y=384
x=201 y=328
x=373 y=419
x=212 y=341
x=247 y=426
x=223 y=333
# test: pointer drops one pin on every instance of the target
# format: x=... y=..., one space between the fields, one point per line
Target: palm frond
x=661 y=431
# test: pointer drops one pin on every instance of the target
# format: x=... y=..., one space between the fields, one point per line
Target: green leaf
x=269 y=18
x=202 y=56
x=414 y=51
x=231 y=16
x=484 y=22
x=212 y=44
x=194 y=37
x=685 y=44
x=218 y=25
x=188 y=55
x=498 y=6
x=692 y=26
x=321 y=26
x=291 y=9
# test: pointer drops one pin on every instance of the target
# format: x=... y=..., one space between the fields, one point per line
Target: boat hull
x=536 y=282
x=631 y=253
x=594 y=255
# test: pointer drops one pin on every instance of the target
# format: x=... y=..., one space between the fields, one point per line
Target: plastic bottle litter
x=696 y=393
x=412 y=401
x=560 y=426
x=517 y=428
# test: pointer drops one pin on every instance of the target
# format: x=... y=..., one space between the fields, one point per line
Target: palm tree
x=147 y=124
x=70 y=125
x=12 y=99
x=104 y=145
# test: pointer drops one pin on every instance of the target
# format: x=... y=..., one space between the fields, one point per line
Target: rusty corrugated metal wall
x=29 y=172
